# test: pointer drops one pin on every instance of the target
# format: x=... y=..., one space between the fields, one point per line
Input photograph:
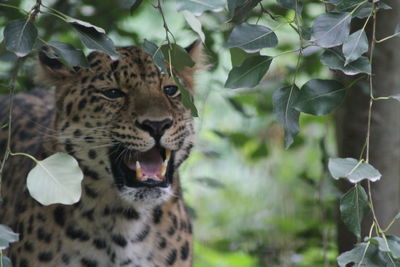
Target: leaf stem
x=25 y=155
x=387 y=38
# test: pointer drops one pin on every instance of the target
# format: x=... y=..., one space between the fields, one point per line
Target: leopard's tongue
x=149 y=163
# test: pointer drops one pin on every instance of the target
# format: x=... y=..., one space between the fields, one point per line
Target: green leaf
x=355 y=46
x=392 y=245
x=335 y=59
x=68 y=54
x=353 y=207
x=94 y=38
x=187 y=98
x=330 y=29
x=239 y=9
x=20 y=36
x=238 y=56
x=353 y=170
x=347 y=5
x=56 y=179
x=252 y=38
x=7 y=236
x=197 y=7
x=5 y=261
x=195 y=24
x=135 y=5
x=283 y=101
x=291 y=4
x=179 y=57
x=248 y=74
x=320 y=97
x=155 y=52
x=77 y=22
x=363 y=255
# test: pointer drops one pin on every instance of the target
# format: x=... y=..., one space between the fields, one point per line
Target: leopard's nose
x=156 y=129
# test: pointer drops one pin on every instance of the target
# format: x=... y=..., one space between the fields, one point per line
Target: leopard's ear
x=196 y=52
x=50 y=70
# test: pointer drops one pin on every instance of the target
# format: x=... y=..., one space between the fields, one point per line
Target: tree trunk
x=385 y=128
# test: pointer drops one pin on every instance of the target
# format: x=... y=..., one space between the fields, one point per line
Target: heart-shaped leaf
x=20 y=36
x=353 y=170
x=249 y=73
x=197 y=7
x=355 y=46
x=195 y=24
x=239 y=9
x=56 y=179
x=320 y=97
x=177 y=56
x=335 y=59
x=94 y=38
x=68 y=54
x=330 y=29
x=251 y=38
x=353 y=207
x=155 y=52
x=283 y=101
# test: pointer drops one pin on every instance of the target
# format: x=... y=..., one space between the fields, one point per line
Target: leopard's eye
x=113 y=93
x=171 y=90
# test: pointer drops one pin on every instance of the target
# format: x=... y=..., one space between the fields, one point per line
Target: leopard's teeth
x=167 y=155
x=163 y=169
x=139 y=173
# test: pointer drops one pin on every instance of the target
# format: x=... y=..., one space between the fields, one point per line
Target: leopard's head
x=124 y=121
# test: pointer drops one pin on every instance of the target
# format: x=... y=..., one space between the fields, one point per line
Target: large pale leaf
x=391 y=244
x=94 y=38
x=155 y=52
x=355 y=46
x=187 y=98
x=353 y=207
x=353 y=170
x=320 y=97
x=330 y=29
x=69 y=54
x=283 y=101
x=335 y=59
x=363 y=255
x=177 y=56
x=249 y=73
x=7 y=236
x=197 y=7
x=20 y=36
x=252 y=38
x=195 y=24
x=56 y=179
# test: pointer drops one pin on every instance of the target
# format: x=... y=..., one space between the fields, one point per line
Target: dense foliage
x=264 y=205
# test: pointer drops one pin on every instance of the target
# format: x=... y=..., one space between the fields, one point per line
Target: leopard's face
x=125 y=122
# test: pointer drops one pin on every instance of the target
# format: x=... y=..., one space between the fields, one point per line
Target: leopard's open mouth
x=152 y=168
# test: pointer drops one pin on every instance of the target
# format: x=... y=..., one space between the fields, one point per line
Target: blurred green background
x=253 y=202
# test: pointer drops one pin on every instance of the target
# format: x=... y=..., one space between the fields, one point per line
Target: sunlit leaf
x=249 y=73
x=155 y=52
x=334 y=59
x=283 y=101
x=135 y=4
x=197 y=7
x=320 y=97
x=94 y=38
x=238 y=56
x=187 y=98
x=252 y=38
x=56 y=179
x=330 y=29
x=177 y=56
x=20 y=36
x=353 y=207
x=239 y=9
x=355 y=46
x=195 y=24
x=353 y=170
x=85 y=24
x=69 y=54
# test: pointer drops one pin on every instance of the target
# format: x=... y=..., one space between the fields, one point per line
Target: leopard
x=124 y=121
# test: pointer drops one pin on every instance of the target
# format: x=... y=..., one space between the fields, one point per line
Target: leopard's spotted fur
x=108 y=226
